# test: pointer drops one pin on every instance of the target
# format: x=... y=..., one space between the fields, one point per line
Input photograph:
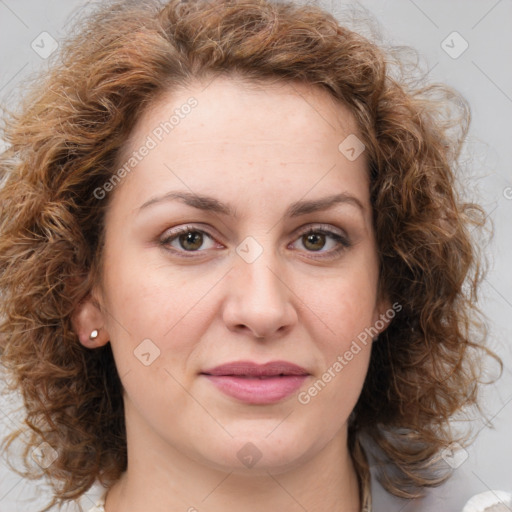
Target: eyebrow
x=211 y=204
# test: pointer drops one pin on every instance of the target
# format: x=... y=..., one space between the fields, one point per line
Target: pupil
x=189 y=238
x=315 y=238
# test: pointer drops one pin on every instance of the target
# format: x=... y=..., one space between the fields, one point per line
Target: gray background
x=484 y=75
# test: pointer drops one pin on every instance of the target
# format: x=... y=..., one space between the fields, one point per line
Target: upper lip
x=252 y=369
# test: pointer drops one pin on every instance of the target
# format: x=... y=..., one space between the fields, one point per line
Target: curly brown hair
x=65 y=141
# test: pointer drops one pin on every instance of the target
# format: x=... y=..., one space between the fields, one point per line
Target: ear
x=383 y=314
x=86 y=318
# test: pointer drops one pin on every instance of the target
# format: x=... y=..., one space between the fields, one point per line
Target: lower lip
x=258 y=391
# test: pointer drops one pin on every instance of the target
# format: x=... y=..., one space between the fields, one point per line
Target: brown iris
x=194 y=238
x=317 y=241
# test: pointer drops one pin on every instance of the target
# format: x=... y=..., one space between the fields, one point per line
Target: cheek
x=148 y=302
x=152 y=335
x=147 y=299
x=345 y=305
x=344 y=314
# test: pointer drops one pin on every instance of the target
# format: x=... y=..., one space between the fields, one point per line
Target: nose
x=260 y=301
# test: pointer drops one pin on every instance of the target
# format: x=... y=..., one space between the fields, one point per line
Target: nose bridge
x=257 y=268
x=259 y=297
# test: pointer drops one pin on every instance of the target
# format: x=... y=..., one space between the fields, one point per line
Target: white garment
x=489 y=501
x=100 y=504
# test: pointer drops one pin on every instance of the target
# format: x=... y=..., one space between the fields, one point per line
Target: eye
x=324 y=241
x=187 y=239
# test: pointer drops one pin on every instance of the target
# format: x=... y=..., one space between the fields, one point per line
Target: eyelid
x=328 y=228
x=171 y=234
x=337 y=234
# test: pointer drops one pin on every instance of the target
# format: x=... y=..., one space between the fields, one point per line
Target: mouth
x=249 y=369
x=256 y=384
x=261 y=377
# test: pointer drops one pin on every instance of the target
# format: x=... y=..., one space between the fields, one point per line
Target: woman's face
x=248 y=172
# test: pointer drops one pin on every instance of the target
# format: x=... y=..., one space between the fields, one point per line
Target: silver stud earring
x=94 y=334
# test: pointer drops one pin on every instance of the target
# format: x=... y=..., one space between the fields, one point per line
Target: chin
x=255 y=454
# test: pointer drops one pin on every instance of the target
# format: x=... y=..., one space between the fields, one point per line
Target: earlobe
x=89 y=324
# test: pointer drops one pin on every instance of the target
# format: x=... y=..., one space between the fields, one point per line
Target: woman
x=233 y=263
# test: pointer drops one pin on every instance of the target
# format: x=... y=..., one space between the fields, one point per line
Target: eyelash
x=343 y=242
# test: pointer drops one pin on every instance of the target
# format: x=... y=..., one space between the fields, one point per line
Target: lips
x=250 y=369
x=257 y=384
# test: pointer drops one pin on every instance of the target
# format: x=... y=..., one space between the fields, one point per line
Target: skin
x=259 y=148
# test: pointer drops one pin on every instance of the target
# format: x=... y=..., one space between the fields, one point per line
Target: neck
x=160 y=477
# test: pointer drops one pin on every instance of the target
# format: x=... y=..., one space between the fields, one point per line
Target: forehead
x=232 y=109
x=287 y=135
